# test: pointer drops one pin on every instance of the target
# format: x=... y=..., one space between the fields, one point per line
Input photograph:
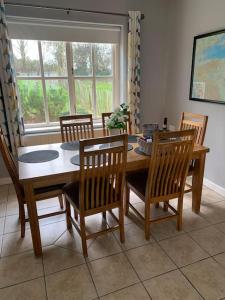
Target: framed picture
x=208 y=68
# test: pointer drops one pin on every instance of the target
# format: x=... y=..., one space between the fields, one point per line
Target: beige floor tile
x=12 y=224
x=52 y=232
x=3 y=195
x=213 y=212
x=149 y=261
x=102 y=246
x=221 y=226
x=71 y=284
x=134 y=292
x=208 y=277
x=220 y=258
x=53 y=202
x=34 y=289
x=192 y=221
x=12 y=206
x=210 y=239
x=164 y=230
x=112 y=273
x=3 y=206
x=71 y=240
x=13 y=243
x=183 y=250
x=154 y=212
x=173 y=286
x=210 y=196
x=56 y=259
x=187 y=202
x=49 y=220
x=4 y=188
x=134 y=236
x=127 y=219
x=2 y=223
x=18 y=268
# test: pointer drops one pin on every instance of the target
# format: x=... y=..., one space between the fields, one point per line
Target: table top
x=63 y=167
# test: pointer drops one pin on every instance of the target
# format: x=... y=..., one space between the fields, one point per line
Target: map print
x=209 y=68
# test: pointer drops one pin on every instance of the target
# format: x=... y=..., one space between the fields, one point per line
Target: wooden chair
x=40 y=193
x=76 y=127
x=100 y=188
x=199 y=123
x=105 y=117
x=194 y=121
x=165 y=179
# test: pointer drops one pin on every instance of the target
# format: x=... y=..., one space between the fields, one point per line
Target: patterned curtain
x=134 y=68
x=10 y=120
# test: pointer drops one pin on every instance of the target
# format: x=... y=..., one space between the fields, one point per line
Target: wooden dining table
x=62 y=171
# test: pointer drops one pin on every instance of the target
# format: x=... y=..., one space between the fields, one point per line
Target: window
x=56 y=78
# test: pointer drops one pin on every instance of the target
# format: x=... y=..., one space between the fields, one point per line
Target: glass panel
x=54 y=58
x=58 y=98
x=26 y=58
x=83 y=92
x=103 y=59
x=32 y=101
x=82 y=62
x=104 y=96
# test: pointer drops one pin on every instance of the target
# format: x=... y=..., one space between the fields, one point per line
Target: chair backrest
x=102 y=172
x=76 y=127
x=105 y=117
x=10 y=165
x=169 y=162
x=194 y=121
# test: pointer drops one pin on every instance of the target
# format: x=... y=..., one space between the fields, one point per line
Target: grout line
x=21 y=282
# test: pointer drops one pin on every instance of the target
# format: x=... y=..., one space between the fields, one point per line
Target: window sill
x=51 y=130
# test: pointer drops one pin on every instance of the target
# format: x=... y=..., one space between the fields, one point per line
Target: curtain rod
x=68 y=10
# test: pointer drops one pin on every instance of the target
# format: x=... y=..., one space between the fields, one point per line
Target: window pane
x=82 y=62
x=32 y=101
x=58 y=98
x=104 y=96
x=103 y=59
x=83 y=92
x=54 y=58
x=26 y=57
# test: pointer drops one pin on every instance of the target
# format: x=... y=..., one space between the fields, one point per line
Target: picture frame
x=208 y=68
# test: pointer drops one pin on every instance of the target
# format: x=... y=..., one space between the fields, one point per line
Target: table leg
x=197 y=183
x=33 y=218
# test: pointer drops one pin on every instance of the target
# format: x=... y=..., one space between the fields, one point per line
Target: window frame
x=71 y=79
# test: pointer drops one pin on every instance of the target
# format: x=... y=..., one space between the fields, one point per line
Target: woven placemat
x=71 y=146
x=39 y=156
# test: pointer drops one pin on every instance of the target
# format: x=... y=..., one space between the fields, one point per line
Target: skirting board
x=215 y=187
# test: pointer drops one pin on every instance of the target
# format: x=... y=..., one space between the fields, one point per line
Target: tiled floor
x=173 y=265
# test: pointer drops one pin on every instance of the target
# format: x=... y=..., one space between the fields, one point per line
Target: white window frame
x=71 y=79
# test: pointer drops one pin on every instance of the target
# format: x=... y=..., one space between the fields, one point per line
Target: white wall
x=153 y=35
x=187 y=19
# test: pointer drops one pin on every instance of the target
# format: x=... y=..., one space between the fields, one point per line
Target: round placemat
x=105 y=146
x=39 y=156
x=75 y=160
x=138 y=151
x=71 y=146
x=132 y=138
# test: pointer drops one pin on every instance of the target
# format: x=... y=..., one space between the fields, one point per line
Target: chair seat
x=138 y=181
x=48 y=189
x=71 y=191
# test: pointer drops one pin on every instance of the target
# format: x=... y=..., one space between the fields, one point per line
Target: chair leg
x=22 y=219
x=68 y=215
x=83 y=236
x=127 y=199
x=180 y=213
x=60 y=201
x=147 y=219
x=165 y=206
x=121 y=224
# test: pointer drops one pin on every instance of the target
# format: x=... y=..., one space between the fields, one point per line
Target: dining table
x=61 y=171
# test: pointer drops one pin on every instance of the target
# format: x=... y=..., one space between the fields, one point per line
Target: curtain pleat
x=134 y=68
x=10 y=119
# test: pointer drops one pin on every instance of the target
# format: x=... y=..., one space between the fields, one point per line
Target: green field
x=57 y=94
